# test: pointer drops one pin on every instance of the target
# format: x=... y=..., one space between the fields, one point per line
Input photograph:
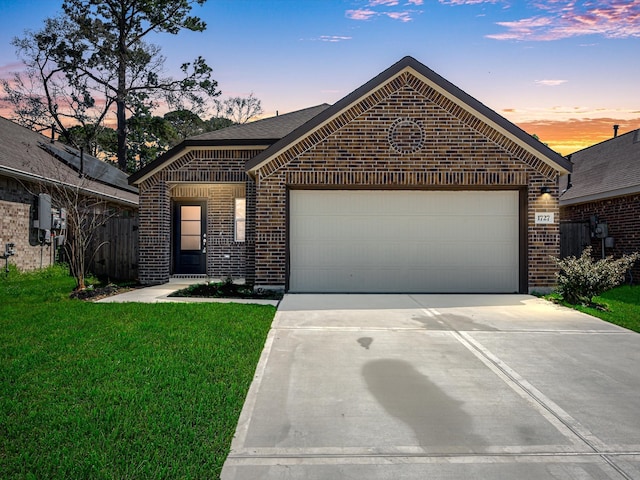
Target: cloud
x=550 y=83
x=466 y=2
x=8 y=69
x=361 y=14
x=393 y=9
x=333 y=38
x=561 y=19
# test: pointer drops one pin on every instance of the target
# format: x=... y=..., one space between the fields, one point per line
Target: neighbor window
x=240 y=219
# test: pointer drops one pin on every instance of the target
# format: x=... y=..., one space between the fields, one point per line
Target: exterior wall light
x=545 y=190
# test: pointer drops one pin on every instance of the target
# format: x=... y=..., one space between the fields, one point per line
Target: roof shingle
x=607 y=169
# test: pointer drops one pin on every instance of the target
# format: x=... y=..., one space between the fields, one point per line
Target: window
x=190 y=227
x=240 y=219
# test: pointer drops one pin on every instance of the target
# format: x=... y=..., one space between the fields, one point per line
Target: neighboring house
x=603 y=191
x=31 y=164
x=407 y=184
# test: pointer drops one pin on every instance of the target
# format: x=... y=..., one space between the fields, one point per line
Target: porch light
x=544 y=190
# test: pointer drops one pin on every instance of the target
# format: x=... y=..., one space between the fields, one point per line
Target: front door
x=190 y=238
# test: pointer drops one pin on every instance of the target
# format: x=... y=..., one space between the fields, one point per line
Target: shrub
x=580 y=279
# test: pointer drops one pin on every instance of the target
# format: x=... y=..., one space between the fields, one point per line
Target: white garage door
x=403 y=241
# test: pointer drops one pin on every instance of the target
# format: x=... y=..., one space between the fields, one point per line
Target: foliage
x=226 y=289
x=580 y=279
x=149 y=136
x=185 y=123
x=95 y=56
x=90 y=390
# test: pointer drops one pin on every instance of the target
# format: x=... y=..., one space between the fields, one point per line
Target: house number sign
x=544 y=218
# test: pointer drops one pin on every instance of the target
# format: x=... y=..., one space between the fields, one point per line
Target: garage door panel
x=404 y=241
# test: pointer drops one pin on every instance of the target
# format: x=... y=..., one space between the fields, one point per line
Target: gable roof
x=440 y=84
x=30 y=156
x=607 y=169
x=260 y=133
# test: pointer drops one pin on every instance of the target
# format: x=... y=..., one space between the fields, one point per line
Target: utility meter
x=601 y=230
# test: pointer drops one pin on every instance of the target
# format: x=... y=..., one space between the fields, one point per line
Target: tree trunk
x=121 y=92
x=122 y=134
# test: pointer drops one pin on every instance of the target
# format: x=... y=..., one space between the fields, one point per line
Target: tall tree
x=97 y=50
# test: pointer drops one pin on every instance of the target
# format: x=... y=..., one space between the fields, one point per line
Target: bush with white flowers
x=580 y=279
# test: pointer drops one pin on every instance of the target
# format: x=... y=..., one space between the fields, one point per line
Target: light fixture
x=545 y=190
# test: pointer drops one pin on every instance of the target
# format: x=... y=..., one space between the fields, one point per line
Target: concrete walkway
x=160 y=294
x=440 y=387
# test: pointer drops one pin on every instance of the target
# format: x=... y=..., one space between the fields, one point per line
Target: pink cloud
x=402 y=16
x=467 y=2
x=8 y=69
x=610 y=19
x=361 y=14
x=385 y=8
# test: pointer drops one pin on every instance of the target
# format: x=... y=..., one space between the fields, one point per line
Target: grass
x=119 y=390
x=621 y=306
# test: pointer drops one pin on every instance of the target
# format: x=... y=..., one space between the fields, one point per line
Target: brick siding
x=353 y=151
x=16 y=202
x=216 y=176
x=622 y=215
x=453 y=150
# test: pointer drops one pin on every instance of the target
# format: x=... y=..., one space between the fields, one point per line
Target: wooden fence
x=114 y=249
x=574 y=237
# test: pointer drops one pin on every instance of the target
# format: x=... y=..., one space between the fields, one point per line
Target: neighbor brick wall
x=16 y=200
x=217 y=176
x=622 y=215
x=353 y=151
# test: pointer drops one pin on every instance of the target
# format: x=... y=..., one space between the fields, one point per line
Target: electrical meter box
x=602 y=230
x=43 y=222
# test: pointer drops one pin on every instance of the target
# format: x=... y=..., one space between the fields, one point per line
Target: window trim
x=239 y=232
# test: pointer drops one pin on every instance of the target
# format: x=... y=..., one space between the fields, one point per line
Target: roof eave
x=31 y=177
x=594 y=197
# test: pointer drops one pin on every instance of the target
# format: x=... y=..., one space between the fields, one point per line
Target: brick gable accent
x=352 y=150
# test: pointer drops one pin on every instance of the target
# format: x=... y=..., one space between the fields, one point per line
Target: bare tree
x=238 y=109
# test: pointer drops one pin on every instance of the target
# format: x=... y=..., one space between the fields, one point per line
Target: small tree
x=580 y=279
x=85 y=214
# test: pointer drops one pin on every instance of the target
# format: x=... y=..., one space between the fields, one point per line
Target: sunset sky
x=564 y=70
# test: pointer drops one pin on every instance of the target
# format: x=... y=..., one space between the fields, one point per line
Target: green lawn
x=622 y=303
x=119 y=390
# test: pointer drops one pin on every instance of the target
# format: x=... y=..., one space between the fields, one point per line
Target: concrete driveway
x=440 y=387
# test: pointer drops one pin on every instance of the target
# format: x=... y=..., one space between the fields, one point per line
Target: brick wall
x=622 y=215
x=354 y=151
x=15 y=219
x=216 y=176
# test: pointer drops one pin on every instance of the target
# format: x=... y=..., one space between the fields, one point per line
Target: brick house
x=407 y=184
x=603 y=189
x=30 y=164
